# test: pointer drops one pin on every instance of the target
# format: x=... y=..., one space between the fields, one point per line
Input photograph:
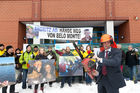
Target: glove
x=23 y=62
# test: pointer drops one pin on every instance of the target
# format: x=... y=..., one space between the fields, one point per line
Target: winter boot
x=42 y=88
x=35 y=91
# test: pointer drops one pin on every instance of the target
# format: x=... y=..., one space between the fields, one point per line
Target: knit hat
x=28 y=46
x=8 y=47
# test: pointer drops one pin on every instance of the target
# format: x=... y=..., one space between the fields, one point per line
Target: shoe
x=70 y=85
x=35 y=91
x=41 y=88
x=61 y=86
x=50 y=85
x=135 y=82
x=24 y=88
x=30 y=87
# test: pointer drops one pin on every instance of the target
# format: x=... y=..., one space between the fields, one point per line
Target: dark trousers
x=36 y=86
x=24 y=77
x=107 y=89
x=12 y=89
x=88 y=79
x=66 y=79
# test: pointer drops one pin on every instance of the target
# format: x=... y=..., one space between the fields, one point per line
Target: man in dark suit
x=109 y=76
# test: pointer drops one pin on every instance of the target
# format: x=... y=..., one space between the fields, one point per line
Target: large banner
x=41 y=71
x=70 y=66
x=7 y=71
x=45 y=32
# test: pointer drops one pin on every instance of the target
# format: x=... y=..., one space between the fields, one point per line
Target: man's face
x=64 y=51
x=49 y=49
x=30 y=30
x=35 y=49
x=11 y=50
x=67 y=49
x=106 y=45
x=82 y=48
x=130 y=48
x=2 y=48
x=87 y=33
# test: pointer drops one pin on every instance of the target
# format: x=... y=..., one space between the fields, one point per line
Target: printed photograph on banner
x=70 y=66
x=86 y=34
x=7 y=71
x=41 y=71
x=63 y=46
x=30 y=33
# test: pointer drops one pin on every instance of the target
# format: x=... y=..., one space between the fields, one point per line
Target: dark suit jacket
x=114 y=75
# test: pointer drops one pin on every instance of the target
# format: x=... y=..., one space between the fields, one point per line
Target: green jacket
x=26 y=57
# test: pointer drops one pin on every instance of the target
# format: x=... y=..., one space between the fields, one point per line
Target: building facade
x=120 y=18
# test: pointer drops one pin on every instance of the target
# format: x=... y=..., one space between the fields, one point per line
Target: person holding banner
x=67 y=78
x=41 y=55
x=24 y=59
x=51 y=55
x=9 y=53
x=35 y=50
x=87 y=54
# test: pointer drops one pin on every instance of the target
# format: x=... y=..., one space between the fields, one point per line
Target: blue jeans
x=133 y=73
x=88 y=79
x=24 y=77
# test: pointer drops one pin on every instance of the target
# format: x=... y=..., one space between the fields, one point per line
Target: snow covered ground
x=79 y=88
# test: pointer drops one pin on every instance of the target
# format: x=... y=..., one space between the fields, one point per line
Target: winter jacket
x=131 y=58
x=35 y=53
x=40 y=56
x=76 y=54
x=86 y=54
x=2 y=52
x=51 y=55
x=25 y=57
x=18 y=65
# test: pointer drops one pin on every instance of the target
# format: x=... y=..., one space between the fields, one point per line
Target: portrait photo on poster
x=41 y=71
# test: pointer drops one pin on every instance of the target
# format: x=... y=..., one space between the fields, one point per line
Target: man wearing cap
x=9 y=53
x=108 y=73
x=2 y=50
x=87 y=35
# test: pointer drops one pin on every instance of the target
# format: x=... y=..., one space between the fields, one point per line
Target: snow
x=79 y=88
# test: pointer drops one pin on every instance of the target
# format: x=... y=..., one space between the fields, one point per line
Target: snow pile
x=79 y=88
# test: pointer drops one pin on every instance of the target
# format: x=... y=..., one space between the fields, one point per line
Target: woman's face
x=88 y=47
x=18 y=51
x=41 y=50
x=48 y=68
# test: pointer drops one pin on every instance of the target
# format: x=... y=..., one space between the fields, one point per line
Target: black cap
x=1 y=45
x=8 y=47
x=35 y=46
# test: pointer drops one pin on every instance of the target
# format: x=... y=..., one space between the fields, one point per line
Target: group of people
x=108 y=74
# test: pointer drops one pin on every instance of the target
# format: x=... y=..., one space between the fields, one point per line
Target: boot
x=35 y=91
x=42 y=88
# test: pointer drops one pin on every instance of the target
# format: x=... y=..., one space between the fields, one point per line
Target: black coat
x=40 y=56
x=51 y=53
x=17 y=56
x=131 y=58
x=114 y=76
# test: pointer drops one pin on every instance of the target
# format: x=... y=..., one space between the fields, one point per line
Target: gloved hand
x=23 y=62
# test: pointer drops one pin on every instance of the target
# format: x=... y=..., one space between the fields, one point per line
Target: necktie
x=104 y=71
